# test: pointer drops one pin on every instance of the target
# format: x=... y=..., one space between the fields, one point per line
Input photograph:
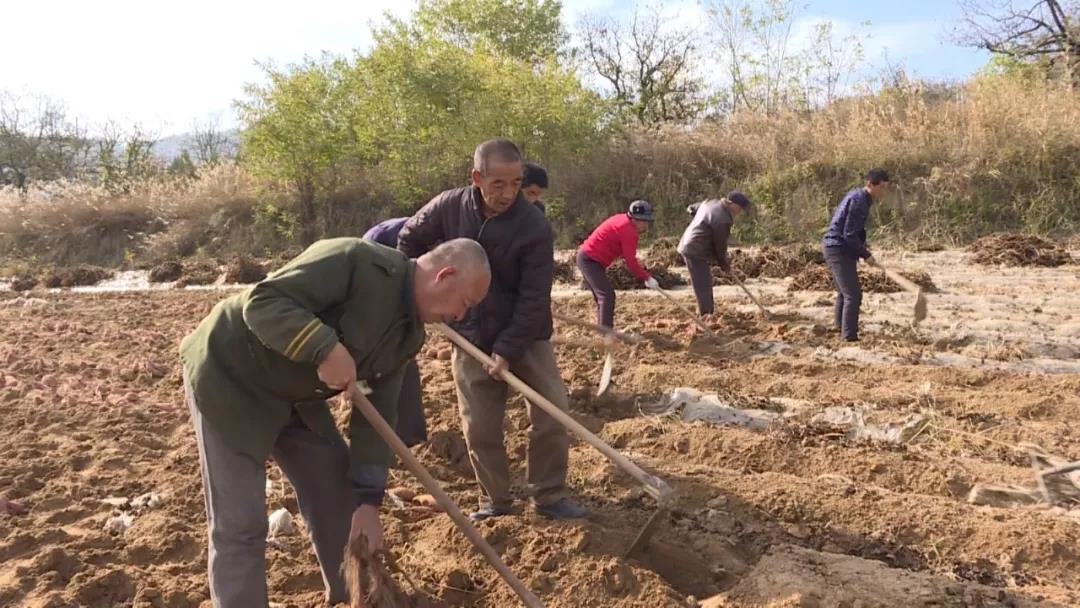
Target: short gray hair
x=465 y=254
x=498 y=150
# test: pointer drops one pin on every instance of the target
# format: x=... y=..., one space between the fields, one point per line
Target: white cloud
x=137 y=62
x=167 y=65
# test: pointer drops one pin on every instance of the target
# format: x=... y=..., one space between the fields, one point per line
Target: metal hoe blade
x=605 y=376
x=646 y=532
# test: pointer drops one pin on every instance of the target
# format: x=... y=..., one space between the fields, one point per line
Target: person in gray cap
x=705 y=241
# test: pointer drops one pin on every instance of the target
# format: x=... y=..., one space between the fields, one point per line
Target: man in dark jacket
x=705 y=240
x=259 y=369
x=844 y=243
x=411 y=424
x=513 y=323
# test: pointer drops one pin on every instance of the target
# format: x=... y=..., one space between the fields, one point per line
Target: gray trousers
x=234 y=485
x=411 y=424
x=701 y=279
x=482 y=402
x=600 y=285
x=845 y=272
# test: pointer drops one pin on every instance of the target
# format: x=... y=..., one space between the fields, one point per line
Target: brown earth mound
x=24 y=283
x=818 y=278
x=199 y=272
x=622 y=279
x=770 y=262
x=565 y=271
x=244 y=270
x=76 y=276
x=663 y=252
x=1018 y=250
x=166 y=272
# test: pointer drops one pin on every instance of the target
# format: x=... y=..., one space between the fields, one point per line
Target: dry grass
x=996 y=154
x=65 y=224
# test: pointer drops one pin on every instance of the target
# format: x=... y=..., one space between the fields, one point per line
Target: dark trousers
x=411 y=426
x=845 y=272
x=701 y=278
x=600 y=285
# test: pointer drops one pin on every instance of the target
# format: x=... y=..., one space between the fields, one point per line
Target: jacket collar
x=477 y=202
x=409 y=290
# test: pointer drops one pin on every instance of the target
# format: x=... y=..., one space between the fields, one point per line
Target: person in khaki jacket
x=705 y=241
x=513 y=323
x=259 y=369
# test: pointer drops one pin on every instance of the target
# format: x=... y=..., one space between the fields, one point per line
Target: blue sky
x=916 y=32
x=166 y=66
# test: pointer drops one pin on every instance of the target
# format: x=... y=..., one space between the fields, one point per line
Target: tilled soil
x=796 y=515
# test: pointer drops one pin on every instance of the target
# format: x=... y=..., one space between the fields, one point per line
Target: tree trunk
x=306 y=218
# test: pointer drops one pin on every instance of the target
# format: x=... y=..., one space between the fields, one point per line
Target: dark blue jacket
x=386 y=233
x=848 y=226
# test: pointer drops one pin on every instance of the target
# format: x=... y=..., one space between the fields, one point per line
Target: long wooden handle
x=360 y=402
x=625 y=337
x=580 y=342
x=900 y=279
x=689 y=313
x=764 y=311
x=653 y=484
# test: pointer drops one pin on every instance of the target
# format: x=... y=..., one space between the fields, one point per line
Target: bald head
x=450 y=279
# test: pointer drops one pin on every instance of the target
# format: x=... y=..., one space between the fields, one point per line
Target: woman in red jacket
x=616 y=238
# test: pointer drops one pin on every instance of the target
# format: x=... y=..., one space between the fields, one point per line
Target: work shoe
x=489 y=511
x=562 y=509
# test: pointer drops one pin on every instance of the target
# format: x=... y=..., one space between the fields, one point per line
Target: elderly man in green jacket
x=258 y=371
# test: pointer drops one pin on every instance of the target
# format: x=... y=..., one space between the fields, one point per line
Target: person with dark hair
x=513 y=323
x=534 y=183
x=705 y=240
x=617 y=237
x=844 y=243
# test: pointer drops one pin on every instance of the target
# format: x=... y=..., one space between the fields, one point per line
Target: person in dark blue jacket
x=411 y=423
x=845 y=243
x=386 y=232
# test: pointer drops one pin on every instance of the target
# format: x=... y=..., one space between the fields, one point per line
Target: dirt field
x=799 y=514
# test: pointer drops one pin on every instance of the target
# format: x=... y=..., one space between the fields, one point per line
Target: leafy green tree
x=296 y=133
x=409 y=113
x=530 y=30
x=182 y=165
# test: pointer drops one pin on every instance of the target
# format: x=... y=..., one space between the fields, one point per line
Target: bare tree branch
x=648 y=64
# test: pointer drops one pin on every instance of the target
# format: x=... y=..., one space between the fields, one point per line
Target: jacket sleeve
x=721 y=232
x=425 y=229
x=629 y=240
x=533 y=306
x=281 y=309
x=369 y=456
x=854 y=227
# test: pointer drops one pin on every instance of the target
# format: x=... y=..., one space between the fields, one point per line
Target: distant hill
x=168 y=148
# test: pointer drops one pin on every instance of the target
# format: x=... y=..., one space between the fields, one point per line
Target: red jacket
x=615 y=238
